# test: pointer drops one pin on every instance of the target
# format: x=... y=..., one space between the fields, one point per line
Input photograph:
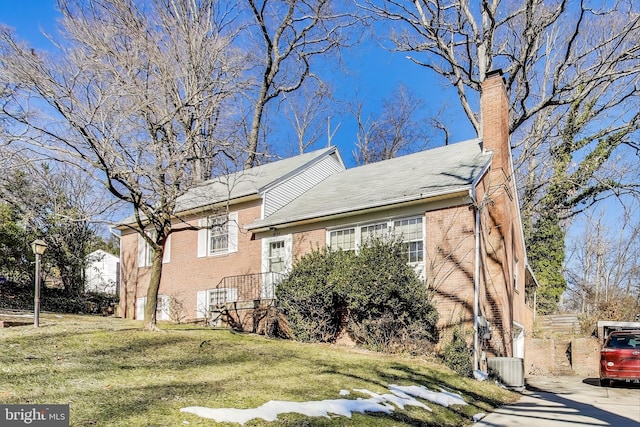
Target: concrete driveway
x=570 y=401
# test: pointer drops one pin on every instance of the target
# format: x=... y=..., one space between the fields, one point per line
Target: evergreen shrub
x=309 y=299
x=456 y=354
x=375 y=295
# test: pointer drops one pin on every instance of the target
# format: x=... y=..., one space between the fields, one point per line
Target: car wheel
x=605 y=382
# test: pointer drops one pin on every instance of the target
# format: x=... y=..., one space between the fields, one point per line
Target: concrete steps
x=562 y=358
x=560 y=324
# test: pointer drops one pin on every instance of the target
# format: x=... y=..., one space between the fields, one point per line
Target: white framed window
x=145 y=251
x=207 y=300
x=218 y=235
x=163 y=308
x=221 y=296
x=411 y=232
x=374 y=231
x=343 y=239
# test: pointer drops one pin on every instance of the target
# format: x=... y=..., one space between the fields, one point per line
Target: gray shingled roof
x=430 y=173
x=244 y=183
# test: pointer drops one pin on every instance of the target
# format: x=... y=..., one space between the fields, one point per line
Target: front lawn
x=112 y=373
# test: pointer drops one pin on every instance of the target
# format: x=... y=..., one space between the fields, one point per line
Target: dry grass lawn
x=112 y=373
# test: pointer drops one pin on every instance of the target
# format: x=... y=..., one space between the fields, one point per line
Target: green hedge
x=375 y=295
x=15 y=296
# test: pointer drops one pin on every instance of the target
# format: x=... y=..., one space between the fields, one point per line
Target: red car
x=620 y=357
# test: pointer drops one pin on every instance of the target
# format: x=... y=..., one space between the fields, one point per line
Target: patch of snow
x=400 y=397
x=270 y=410
x=479 y=375
x=397 y=398
x=442 y=398
x=477 y=417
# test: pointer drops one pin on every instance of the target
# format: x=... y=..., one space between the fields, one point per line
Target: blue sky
x=373 y=74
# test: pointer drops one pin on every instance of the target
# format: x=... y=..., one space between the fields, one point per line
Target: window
x=376 y=231
x=218 y=234
x=410 y=231
x=221 y=296
x=145 y=251
x=163 y=308
x=343 y=239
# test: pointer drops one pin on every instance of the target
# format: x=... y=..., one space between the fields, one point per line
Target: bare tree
x=571 y=69
x=58 y=203
x=397 y=130
x=307 y=111
x=602 y=265
x=134 y=97
x=290 y=34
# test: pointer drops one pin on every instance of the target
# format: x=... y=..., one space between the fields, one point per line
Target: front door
x=276 y=261
x=276 y=256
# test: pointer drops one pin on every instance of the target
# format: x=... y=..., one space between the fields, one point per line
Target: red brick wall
x=547 y=356
x=449 y=258
x=186 y=274
x=305 y=241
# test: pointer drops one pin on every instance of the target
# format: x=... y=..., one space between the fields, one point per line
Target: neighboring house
x=102 y=273
x=456 y=206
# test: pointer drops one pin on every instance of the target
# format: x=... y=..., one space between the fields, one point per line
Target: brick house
x=456 y=206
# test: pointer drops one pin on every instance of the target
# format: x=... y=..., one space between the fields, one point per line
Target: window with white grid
x=343 y=239
x=410 y=231
x=374 y=231
x=218 y=234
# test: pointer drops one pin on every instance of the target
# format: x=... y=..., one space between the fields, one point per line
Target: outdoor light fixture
x=38 y=246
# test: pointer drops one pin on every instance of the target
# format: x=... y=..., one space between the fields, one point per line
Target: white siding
x=285 y=192
x=201 y=304
x=162 y=310
x=140 y=303
x=101 y=272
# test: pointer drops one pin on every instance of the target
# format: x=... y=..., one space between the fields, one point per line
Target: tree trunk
x=255 y=127
x=152 y=291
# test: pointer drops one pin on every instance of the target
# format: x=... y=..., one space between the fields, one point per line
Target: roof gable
x=248 y=182
x=99 y=255
x=287 y=190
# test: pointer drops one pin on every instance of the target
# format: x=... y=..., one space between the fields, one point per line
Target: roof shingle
x=422 y=175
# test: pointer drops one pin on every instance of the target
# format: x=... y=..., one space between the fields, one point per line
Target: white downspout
x=476 y=281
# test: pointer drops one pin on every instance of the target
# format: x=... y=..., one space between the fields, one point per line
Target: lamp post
x=38 y=246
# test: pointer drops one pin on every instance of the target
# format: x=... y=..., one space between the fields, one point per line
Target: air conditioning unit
x=508 y=370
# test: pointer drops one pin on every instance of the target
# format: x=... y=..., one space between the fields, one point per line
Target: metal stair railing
x=244 y=292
